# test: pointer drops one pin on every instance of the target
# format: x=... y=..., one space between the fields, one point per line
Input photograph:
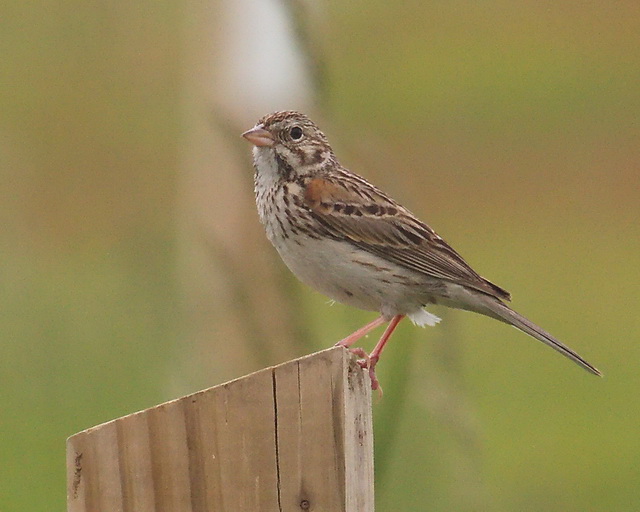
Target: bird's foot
x=364 y=362
x=375 y=384
x=369 y=363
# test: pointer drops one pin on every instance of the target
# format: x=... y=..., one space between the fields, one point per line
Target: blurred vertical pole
x=241 y=60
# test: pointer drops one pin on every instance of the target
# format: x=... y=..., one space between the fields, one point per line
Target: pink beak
x=258 y=136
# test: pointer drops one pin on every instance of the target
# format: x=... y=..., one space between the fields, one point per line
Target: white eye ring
x=296 y=133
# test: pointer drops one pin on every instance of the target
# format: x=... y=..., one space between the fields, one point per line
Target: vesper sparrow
x=349 y=240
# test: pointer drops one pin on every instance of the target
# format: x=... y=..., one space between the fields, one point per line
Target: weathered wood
x=292 y=437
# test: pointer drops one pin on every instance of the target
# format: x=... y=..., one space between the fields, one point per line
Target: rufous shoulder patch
x=320 y=190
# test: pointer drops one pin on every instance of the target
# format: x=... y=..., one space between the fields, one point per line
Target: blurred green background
x=511 y=127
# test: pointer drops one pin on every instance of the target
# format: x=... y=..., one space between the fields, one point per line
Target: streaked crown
x=295 y=139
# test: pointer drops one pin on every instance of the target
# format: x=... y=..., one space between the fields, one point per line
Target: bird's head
x=293 y=139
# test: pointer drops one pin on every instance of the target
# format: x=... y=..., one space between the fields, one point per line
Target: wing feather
x=356 y=211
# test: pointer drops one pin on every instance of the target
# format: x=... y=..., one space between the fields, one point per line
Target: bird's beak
x=258 y=136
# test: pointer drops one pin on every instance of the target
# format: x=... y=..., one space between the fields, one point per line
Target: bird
x=346 y=238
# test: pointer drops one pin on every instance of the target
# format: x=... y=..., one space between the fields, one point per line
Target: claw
x=375 y=384
x=368 y=363
x=364 y=362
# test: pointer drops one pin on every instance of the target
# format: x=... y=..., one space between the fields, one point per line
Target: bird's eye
x=296 y=133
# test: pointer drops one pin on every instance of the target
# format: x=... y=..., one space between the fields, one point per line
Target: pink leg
x=374 y=357
x=352 y=338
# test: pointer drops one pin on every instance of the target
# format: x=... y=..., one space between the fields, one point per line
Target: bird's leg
x=352 y=338
x=374 y=356
x=369 y=361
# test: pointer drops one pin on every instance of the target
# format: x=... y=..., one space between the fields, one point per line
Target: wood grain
x=293 y=437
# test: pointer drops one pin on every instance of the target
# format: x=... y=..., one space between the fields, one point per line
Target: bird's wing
x=351 y=209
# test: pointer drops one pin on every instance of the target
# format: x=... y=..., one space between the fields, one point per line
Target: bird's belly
x=352 y=276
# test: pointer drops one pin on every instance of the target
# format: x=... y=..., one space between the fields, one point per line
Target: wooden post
x=297 y=436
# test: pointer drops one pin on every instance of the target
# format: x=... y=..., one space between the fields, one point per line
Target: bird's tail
x=504 y=313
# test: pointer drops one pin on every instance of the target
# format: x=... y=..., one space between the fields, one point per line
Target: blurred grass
x=511 y=128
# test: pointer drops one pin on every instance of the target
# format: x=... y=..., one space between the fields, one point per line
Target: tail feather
x=504 y=313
